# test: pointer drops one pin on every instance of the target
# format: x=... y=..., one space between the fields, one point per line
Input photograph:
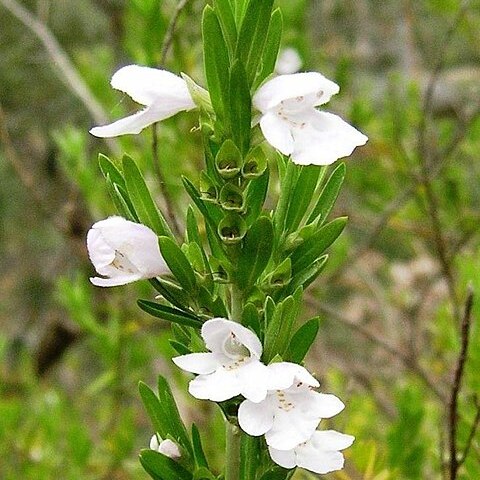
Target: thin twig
x=63 y=65
x=456 y=386
x=424 y=156
x=166 y=45
x=473 y=431
x=387 y=347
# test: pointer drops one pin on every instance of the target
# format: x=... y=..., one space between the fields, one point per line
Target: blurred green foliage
x=71 y=355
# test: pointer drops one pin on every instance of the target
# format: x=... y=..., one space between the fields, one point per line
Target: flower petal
x=256 y=418
x=284 y=458
x=291 y=428
x=277 y=132
x=322 y=405
x=199 y=363
x=132 y=124
x=296 y=85
x=217 y=386
x=149 y=85
x=253 y=377
x=217 y=330
x=319 y=461
x=115 y=281
x=331 y=440
x=324 y=138
x=284 y=374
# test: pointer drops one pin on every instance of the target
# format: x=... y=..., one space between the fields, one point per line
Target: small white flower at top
x=288 y=416
x=123 y=252
x=289 y=61
x=163 y=94
x=291 y=123
x=319 y=454
x=231 y=368
x=165 y=447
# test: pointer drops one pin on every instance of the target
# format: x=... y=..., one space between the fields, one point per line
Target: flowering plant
x=232 y=288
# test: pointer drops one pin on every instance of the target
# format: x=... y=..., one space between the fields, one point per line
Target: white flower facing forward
x=163 y=93
x=289 y=416
x=165 y=447
x=231 y=368
x=291 y=123
x=124 y=252
x=320 y=454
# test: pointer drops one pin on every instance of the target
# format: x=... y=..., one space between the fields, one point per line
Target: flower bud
x=228 y=160
x=231 y=198
x=255 y=164
x=232 y=229
x=123 y=252
x=165 y=447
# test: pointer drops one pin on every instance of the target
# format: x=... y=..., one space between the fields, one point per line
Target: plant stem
x=236 y=303
x=232 y=452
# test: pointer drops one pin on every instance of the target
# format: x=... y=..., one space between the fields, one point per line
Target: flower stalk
x=232 y=451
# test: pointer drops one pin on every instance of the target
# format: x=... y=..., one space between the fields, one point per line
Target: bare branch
x=63 y=65
x=167 y=43
x=473 y=431
x=456 y=386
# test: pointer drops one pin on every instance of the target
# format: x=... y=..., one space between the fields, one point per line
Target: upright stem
x=237 y=303
x=232 y=453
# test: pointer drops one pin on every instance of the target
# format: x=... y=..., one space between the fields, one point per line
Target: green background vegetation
x=391 y=299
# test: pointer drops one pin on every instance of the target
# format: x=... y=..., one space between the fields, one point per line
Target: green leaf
x=312 y=249
x=255 y=196
x=216 y=63
x=176 y=426
x=154 y=410
x=193 y=234
x=199 y=454
x=251 y=319
x=255 y=254
x=211 y=213
x=308 y=275
x=329 y=194
x=169 y=314
x=121 y=201
x=272 y=46
x=301 y=196
x=302 y=340
x=179 y=347
x=203 y=473
x=227 y=23
x=147 y=211
x=172 y=293
x=249 y=456
x=160 y=467
x=240 y=107
x=110 y=170
x=178 y=263
x=252 y=36
x=279 y=329
x=286 y=188
x=239 y=7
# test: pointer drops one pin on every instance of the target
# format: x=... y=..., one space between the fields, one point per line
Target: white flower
x=232 y=367
x=124 y=252
x=288 y=61
x=288 y=416
x=163 y=93
x=165 y=447
x=291 y=123
x=319 y=454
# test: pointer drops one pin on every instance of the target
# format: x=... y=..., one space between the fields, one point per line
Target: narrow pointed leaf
x=252 y=36
x=216 y=62
x=199 y=454
x=226 y=17
x=178 y=263
x=147 y=211
x=272 y=46
x=108 y=168
x=249 y=456
x=301 y=341
x=240 y=107
x=169 y=314
x=313 y=248
x=256 y=252
x=160 y=467
x=329 y=195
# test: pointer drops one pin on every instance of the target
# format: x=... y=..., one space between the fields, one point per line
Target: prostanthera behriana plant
x=233 y=287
